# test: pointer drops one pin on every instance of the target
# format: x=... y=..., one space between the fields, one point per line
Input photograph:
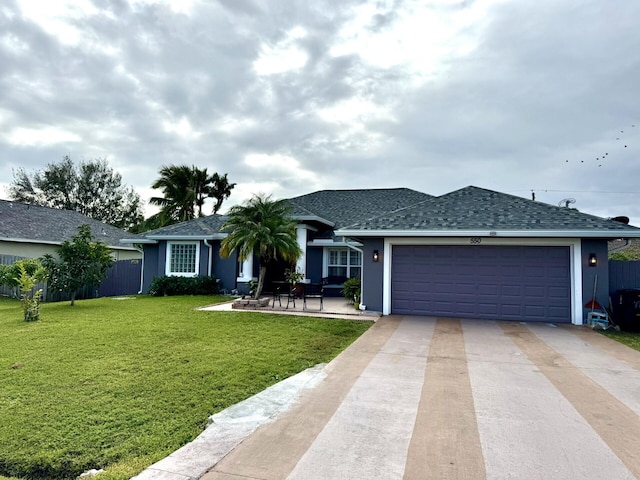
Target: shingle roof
x=467 y=209
x=474 y=208
x=198 y=227
x=339 y=207
x=19 y=221
x=344 y=207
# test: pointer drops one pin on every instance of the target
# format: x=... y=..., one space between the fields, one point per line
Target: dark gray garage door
x=488 y=282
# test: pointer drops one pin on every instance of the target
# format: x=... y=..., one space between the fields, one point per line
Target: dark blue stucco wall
x=151 y=261
x=599 y=247
x=314 y=264
x=372 y=274
x=226 y=269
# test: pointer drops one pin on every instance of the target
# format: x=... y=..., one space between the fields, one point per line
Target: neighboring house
x=629 y=248
x=472 y=253
x=31 y=231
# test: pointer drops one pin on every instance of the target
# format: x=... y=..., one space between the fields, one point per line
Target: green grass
x=628 y=338
x=120 y=384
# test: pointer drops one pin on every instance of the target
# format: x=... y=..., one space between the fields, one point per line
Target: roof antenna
x=566 y=202
x=533 y=195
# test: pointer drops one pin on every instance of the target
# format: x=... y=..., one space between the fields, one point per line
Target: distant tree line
x=91 y=188
x=95 y=190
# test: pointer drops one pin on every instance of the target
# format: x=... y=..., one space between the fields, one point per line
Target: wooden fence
x=123 y=278
x=623 y=275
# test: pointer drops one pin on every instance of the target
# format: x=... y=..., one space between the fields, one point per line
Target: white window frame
x=169 y=253
x=349 y=265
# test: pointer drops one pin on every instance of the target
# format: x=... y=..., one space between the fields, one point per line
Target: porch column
x=301 y=236
x=247 y=270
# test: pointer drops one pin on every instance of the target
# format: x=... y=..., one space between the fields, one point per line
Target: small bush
x=5 y=272
x=9 y=274
x=625 y=256
x=169 y=286
x=351 y=290
x=29 y=296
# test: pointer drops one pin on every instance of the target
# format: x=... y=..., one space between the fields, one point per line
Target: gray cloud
x=528 y=95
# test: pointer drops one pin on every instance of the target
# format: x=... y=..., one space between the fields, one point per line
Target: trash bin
x=626 y=308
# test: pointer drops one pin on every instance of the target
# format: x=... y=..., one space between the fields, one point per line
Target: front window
x=183 y=258
x=344 y=262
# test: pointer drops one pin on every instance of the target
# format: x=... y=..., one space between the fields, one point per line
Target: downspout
x=141 y=250
x=362 y=275
x=206 y=242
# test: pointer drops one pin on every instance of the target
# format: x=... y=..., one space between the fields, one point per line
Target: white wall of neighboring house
x=35 y=250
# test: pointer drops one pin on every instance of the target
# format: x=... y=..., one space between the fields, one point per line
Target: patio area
x=333 y=307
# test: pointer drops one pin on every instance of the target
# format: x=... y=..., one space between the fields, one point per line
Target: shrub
x=351 y=290
x=9 y=274
x=168 y=286
x=82 y=263
x=30 y=298
x=4 y=274
x=626 y=256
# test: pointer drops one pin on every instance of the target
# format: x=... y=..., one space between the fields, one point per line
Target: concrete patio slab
x=333 y=308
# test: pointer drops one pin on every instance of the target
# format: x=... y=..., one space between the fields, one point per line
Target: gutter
x=138 y=240
x=350 y=245
x=313 y=218
x=493 y=234
x=215 y=236
x=50 y=242
x=141 y=250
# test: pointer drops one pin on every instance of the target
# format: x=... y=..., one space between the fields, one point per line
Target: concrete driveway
x=425 y=398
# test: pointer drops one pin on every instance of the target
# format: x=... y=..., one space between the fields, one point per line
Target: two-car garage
x=496 y=282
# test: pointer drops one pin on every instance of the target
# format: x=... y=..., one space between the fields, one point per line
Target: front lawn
x=120 y=384
x=628 y=338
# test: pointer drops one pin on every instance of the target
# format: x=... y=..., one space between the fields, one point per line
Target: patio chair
x=296 y=291
x=279 y=288
x=313 y=290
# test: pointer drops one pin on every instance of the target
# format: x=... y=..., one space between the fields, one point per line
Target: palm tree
x=201 y=185
x=178 y=200
x=264 y=227
x=185 y=189
x=220 y=189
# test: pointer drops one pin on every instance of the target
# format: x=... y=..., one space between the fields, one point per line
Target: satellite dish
x=566 y=202
x=621 y=219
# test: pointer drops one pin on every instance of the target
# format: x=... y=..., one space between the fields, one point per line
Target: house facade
x=31 y=231
x=472 y=253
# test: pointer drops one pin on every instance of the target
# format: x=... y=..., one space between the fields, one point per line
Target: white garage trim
x=575 y=255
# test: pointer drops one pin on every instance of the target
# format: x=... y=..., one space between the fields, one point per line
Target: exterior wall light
x=593 y=260
x=376 y=255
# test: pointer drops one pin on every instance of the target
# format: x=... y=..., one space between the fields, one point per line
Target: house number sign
x=475 y=240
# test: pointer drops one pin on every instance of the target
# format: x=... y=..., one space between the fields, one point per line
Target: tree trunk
x=73 y=298
x=261 y=275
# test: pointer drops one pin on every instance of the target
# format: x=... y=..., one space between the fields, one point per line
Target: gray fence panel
x=9 y=260
x=623 y=275
x=123 y=278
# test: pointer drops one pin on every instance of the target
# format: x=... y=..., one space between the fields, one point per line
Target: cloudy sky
x=292 y=96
